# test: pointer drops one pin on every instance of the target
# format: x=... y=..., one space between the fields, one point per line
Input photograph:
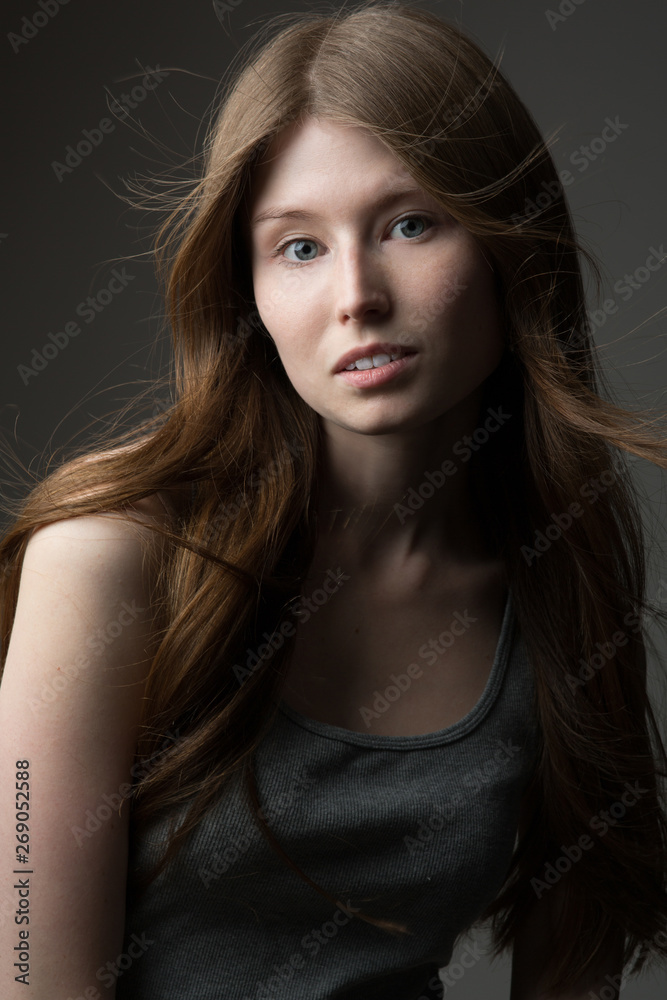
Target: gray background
x=59 y=240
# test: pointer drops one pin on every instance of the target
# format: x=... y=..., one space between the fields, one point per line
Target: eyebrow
x=284 y=212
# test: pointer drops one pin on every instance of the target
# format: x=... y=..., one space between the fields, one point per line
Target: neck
x=396 y=498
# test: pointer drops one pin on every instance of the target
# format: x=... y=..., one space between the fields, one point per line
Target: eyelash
x=291 y=263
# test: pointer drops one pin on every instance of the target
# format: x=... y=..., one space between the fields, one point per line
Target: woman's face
x=342 y=272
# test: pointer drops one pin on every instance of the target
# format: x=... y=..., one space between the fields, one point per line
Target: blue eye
x=410 y=219
x=311 y=245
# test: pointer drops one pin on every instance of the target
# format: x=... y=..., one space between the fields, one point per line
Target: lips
x=368 y=350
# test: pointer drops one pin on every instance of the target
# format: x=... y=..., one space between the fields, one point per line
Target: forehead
x=310 y=159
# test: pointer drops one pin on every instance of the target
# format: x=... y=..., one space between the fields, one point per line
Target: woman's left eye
x=310 y=244
x=411 y=219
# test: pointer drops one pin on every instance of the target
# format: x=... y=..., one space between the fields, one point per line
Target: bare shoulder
x=85 y=580
x=101 y=549
x=107 y=528
x=72 y=695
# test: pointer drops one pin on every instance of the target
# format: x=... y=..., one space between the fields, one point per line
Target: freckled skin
x=423 y=284
x=408 y=274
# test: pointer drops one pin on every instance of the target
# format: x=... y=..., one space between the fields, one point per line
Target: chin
x=372 y=427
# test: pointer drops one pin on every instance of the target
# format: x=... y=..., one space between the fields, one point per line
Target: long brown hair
x=239 y=450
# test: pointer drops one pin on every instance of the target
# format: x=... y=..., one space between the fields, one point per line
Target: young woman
x=355 y=626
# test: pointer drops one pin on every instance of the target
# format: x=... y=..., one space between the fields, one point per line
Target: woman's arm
x=531 y=949
x=70 y=702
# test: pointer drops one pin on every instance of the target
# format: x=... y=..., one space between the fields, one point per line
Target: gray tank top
x=415 y=829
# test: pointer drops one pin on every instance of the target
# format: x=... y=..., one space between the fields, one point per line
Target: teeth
x=373 y=361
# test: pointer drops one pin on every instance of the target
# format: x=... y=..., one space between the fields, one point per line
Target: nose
x=362 y=290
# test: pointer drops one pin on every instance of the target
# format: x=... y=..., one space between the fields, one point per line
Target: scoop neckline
x=450 y=733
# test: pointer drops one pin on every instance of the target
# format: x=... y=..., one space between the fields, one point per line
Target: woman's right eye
x=278 y=252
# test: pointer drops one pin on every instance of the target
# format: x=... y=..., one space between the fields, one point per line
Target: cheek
x=282 y=315
x=273 y=308
x=279 y=303
x=468 y=294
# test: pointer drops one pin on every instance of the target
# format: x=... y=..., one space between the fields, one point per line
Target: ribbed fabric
x=416 y=829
